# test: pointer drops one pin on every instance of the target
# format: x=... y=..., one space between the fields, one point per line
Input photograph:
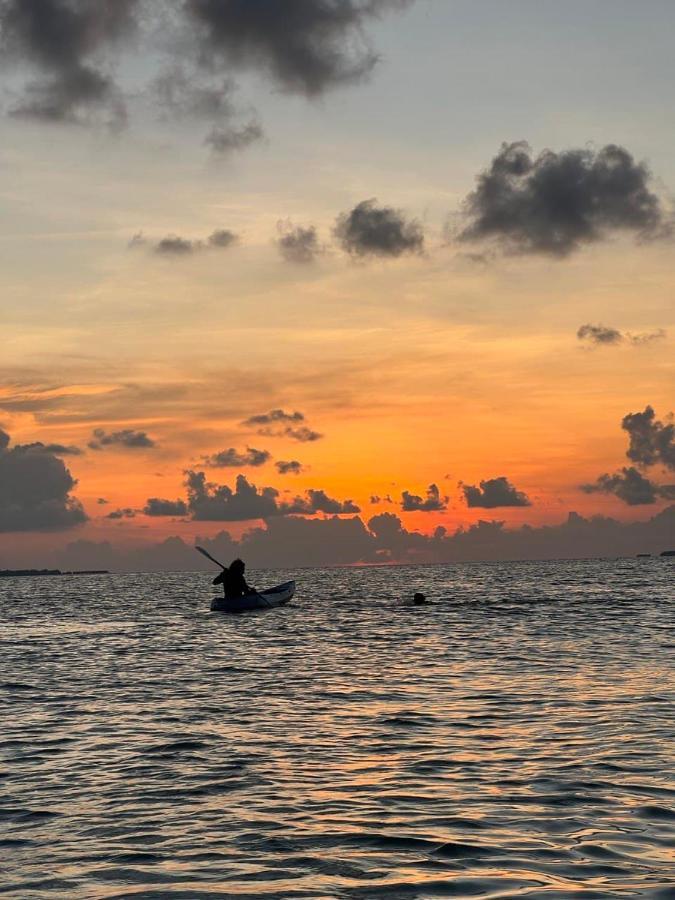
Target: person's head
x=419 y=599
x=237 y=566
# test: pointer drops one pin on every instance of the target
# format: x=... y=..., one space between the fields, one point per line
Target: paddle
x=208 y=556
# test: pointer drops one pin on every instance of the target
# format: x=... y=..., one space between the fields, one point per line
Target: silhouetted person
x=233 y=581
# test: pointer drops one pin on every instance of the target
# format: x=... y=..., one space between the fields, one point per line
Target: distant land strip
x=44 y=573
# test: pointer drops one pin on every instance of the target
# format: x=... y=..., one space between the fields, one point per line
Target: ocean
x=516 y=738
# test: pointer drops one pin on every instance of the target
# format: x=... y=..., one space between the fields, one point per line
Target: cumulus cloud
x=297 y=541
x=226 y=139
x=66 y=44
x=276 y=424
x=289 y=467
x=631 y=487
x=125 y=513
x=298 y=244
x=175 y=246
x=599 y=334
x=370 y=230
x=432 y=502
x=35 y=489
x=494 y=493
x=56 y=449
x=603 y=336
x=219 y=503
x=304 y=46
x=158 y=507
x=72 y=47
x=127 y=438
x=318 y=501
x=554 y=203
x=651 y=441
x=273 y=417
x=231 y=457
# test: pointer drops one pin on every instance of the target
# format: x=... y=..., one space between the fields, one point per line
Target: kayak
x=276 y=596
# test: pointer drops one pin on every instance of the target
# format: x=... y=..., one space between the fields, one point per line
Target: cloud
x=157 y=507
x=651 y=442
x=604 y=336
x=131 y=440
x=631 y=487
x=222 y=238
x=232 y=457
x=318 y=501
x=219 y=503
x=289 y=467
x=303 y=434
x=369 y=230
x=298 y=244
x=56 y=449
x=266 y=423
x=102 y=501
x=554 y=203
x=66 y=42
x=35 y=488
x=125 y=513
x=493 y=493
x=599 y=334
x=226 y=139
x=173 y=245
x=304 y=46
x=273 y=417
x=290 y=541
x=431 y=503
x=375 y=499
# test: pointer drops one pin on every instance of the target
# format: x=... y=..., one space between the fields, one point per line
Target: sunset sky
x=359 y=237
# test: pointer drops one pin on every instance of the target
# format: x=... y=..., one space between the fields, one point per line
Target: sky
x=335 y=281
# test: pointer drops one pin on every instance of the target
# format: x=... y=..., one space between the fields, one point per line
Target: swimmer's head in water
x=419 y=599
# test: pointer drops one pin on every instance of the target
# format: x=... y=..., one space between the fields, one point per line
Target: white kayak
x=276 y=596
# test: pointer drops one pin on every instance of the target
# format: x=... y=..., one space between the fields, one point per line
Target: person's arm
x=219 y=579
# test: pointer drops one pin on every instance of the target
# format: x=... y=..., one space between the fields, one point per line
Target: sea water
x=514 y=739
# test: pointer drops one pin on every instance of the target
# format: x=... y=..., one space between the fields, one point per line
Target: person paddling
x=233 y=581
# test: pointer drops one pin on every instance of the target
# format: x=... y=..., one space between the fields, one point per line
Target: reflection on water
x=513 y=739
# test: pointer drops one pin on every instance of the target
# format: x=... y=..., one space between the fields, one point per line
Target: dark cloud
x=273 y=417
x=102 y=501
x=646 y=337
x=226 y=139
x=172 y=245
x=303 y=434
x=290 y=541
x=631 y=487
x=305 y=46
x=56 y=449
x=222 y=238
x=376 y=499
x=131 y=440
x=431 y=503
x=35 y=488
x=125 y=513
x=267 y=424
x=370 y=230
x=493 y=493
x=599 y=334
x=289 y=467
x=298 y=244
x=231 y=457
x=318 y=501
x=602 y=335
x=65 y=41
x=219 y=503
x=556 y=202
x=651 y=442
x=157 y=507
